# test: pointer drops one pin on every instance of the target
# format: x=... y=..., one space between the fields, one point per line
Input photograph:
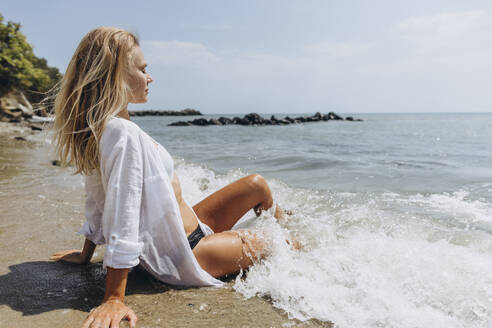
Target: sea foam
x=369 y=259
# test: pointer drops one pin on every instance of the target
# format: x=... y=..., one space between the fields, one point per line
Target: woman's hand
x=112 y=310
x=109 y=314
x=76 y=256
x=72 y=256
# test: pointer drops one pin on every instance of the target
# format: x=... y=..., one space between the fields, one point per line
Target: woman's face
x=137 y=78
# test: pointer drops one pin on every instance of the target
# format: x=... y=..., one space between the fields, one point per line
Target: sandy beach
x=42 y=209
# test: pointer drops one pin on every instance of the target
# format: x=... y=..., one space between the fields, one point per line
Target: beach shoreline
x=42 y=208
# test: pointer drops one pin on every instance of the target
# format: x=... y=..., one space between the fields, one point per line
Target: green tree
x=20 y=68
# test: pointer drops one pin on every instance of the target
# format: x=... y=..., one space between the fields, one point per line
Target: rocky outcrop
x=256 y=119
x=184 y=112
x=18 y=115
x=14 y=107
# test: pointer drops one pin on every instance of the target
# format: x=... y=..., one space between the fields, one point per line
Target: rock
x=184 y=112
x=13 y=114
x=254 y=118
x=190 y=111
x=36 y=127
x=351 y=119
x=315 y=118
x=244 y=121
x=213 y=121
x=225 y=120
x=200 y=122
x=41 y=111
x=333 y=116
x=26 y=111
x=14 y=106
x=180 y=123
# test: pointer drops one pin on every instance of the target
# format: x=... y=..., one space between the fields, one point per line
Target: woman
x=134 y=203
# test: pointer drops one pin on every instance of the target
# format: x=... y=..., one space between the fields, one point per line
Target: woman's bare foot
x=280 y=213
x=294 y=243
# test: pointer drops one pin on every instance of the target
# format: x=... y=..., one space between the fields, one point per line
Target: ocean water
x=395 y=213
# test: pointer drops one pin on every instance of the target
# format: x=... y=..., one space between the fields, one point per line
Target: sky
x=288 y=56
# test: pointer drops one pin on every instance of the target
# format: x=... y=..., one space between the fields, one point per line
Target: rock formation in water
x=184 y=112
x=256 y=119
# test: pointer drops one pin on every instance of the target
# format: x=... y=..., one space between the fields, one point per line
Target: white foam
x=370 y=260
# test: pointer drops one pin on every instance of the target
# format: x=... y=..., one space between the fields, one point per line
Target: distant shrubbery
x=19 y=68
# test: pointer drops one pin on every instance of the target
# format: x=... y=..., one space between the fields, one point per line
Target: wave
x=369 y=259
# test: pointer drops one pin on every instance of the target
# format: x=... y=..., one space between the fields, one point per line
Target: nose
x=149 y=79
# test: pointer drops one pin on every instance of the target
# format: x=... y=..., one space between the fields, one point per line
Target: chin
x=139 y=101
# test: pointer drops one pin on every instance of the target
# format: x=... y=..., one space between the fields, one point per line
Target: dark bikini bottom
x=195 y=237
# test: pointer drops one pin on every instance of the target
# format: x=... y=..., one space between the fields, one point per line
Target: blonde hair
x=92 y=91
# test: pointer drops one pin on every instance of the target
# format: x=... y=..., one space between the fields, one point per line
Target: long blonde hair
x=92 y=91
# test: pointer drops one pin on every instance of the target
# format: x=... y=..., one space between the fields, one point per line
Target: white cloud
x=177 y=52
x=336 y=50
x=458 y=32
x=444 y=24
x=439 y=62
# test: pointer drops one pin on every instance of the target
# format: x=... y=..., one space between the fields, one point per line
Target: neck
x=124 y=114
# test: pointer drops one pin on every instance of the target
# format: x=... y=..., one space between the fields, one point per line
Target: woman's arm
x=112 y=310
x=87 y=251
x=76 y=256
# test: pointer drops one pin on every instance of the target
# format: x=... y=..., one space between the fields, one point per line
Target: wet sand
x=41 y=211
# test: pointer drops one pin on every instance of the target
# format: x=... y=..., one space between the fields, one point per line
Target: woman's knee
x=259 y=183
x=261 y=186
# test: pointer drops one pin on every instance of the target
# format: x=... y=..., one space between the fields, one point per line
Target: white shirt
x=131 y=207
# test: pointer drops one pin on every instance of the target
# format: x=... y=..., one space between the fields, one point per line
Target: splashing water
x=369 y=259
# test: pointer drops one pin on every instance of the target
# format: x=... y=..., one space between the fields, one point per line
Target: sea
x=394 y=213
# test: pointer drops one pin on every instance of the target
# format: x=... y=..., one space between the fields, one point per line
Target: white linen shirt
x=131 y=207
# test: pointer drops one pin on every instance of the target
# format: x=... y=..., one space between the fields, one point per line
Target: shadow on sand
x=37 y=287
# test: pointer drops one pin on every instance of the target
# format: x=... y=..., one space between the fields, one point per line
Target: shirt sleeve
x=122 y=177
x=92 y=226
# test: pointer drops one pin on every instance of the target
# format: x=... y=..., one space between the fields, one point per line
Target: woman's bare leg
x=226 y=251
x=229 y=251
x=225 y=207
